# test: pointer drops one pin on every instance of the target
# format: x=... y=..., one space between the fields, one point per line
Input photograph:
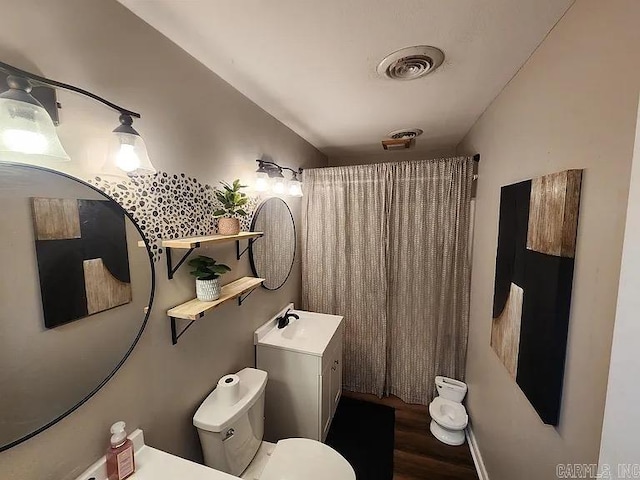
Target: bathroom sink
x=153 y=464
x=310 y=333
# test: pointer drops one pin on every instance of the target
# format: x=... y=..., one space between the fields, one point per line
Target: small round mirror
x=272 y=254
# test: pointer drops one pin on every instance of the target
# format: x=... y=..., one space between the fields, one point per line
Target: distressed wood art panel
x=532 y=292
x=83 y=262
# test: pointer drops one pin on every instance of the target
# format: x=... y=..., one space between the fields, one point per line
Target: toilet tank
x=451 y=389
x=230 y=435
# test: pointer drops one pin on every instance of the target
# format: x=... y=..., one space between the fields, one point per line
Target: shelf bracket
x=242 y=298
x=175 y=335
x=239 y=253
x=171 y=270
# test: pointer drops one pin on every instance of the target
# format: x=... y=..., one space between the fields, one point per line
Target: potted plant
x=233 y=201
x=207 y=273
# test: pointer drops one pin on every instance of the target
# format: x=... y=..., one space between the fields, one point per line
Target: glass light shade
x=27 y=133
x=295 y=188
x=127 y=157
x=262 y=181
x=278 y=185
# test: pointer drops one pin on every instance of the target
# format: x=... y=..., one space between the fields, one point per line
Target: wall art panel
x=534 y=277
x=83 y=262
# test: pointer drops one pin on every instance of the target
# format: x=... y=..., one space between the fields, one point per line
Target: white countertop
x=310 y=334
x=154 y=464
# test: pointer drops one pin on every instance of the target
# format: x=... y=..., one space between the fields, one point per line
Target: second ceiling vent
x=411 y=62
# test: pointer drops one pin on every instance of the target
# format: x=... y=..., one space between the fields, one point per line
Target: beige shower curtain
x=386 y=245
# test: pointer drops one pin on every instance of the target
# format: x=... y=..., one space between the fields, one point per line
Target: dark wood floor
x=417 y=454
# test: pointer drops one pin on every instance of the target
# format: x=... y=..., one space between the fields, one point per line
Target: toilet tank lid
x=215 y=416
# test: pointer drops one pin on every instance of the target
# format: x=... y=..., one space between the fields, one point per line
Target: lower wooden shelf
x=195 y=309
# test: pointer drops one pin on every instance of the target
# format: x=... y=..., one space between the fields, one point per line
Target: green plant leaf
x=219 y=213
x=220 y=269
x=241 y=212
x=200 y=260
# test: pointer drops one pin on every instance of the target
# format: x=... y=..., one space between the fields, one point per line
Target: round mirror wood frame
x=254 y=247
x=152 y=280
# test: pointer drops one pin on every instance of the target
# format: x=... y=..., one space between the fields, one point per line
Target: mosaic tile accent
x=169 y=205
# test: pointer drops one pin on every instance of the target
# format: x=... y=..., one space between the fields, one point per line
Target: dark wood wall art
x=83 y=263
x=534 y=275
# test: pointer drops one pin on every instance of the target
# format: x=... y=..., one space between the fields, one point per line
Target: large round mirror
x=75 y=291
x=272 y=254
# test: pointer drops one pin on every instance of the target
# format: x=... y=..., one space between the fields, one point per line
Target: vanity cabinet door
x=336 y=378
x=326 y=397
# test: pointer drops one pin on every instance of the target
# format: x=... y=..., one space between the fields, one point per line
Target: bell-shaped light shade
x=27 y=133
x=127 y=153
x=295 y=188
x=262 y=181
x=278 y=185
x=131 y=156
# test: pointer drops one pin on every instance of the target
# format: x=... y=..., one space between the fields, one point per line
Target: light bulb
x=262 y=182
x=27 y=133
x=24 y=141
x=295 y=188
x=127 y=159
x=278 y=186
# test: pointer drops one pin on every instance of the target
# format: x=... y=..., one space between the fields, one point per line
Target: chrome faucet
x=283 y=321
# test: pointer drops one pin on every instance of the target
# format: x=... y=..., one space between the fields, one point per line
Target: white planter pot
x=208 y=290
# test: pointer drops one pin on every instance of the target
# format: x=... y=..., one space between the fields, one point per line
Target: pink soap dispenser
x=120 y=461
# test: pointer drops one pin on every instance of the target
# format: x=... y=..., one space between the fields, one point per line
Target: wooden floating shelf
x=195 y=309
x=195 y=242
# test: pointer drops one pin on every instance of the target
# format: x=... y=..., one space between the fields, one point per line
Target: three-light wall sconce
x=269 y=178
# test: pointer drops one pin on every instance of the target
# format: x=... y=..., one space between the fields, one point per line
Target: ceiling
x=312 y=64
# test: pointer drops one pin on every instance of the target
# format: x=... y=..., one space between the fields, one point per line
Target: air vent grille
x=411 y=63
x=405 y=133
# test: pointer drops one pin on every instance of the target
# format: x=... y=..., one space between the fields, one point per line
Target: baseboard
x=475 y=453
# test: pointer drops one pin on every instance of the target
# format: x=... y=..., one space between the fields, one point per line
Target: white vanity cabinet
x=304 y=366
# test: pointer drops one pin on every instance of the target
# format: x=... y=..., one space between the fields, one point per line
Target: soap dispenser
x=120 y=461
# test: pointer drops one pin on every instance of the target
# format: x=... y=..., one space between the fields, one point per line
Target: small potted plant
x=207 y=273
x=233 y=201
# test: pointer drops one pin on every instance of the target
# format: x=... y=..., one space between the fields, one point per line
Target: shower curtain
x=386 y=246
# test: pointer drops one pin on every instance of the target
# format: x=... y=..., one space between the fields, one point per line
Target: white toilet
x=448 y=415
x=231 y=439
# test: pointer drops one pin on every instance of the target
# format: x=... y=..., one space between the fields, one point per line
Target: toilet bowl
x=448 y=415
x=231 y=440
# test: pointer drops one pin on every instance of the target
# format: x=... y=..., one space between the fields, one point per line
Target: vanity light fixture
x=269 y=177
x=130 y=152
x=27 y=128
x=27 y=132
x=278 y=184
x=262 y=178
x=295 y=185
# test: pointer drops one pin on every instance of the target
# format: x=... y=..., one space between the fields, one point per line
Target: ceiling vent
x=405 y=133
x=401 y=139
x=411 y=62
x=399 y=144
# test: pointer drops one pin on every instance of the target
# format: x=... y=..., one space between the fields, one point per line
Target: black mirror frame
x=295 y=242
x=144 y=323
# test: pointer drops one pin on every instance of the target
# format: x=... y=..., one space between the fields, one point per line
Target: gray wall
x=621 y=416
x=193 y=122
x=572 y=105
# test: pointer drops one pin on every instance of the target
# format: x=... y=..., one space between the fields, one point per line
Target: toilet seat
x=306 y=459
x=449 y=414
